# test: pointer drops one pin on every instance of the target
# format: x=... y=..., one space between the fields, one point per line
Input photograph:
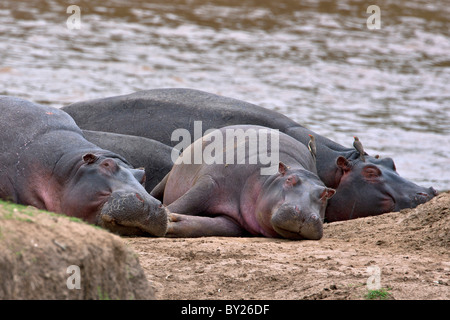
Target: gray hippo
x=156 y=163
x=46 y=162
x=233 y=196
x=362 y=188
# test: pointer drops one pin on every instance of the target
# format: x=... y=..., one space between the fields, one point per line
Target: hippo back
x=124 y=114
x=157 y=163
x=22 y=121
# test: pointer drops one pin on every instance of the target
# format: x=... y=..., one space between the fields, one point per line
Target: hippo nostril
x=421 y=197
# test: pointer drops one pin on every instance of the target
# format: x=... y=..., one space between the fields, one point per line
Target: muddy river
x=332 y=66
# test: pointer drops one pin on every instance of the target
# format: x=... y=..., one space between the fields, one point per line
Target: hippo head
x=372 y=187
x=293 y=204
x=105 y=190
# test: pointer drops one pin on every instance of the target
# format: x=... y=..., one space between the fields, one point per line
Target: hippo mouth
x=414 y=200
x=134 y=214
x=291 y=223
x=307 y=231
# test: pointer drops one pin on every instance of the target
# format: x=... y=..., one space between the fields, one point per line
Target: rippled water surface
x=315 y=61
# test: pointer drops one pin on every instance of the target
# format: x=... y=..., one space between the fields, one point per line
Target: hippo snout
x=130 y=213
x=422 y=197
x=433 y=192
x=292 y=222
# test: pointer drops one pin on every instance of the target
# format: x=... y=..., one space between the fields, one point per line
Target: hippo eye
x=106 y=165
x=292 y=180
x=110 y=165
x=371 y=172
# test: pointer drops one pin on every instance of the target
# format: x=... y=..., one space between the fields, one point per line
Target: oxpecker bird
x=359 y=147
x=312 y=146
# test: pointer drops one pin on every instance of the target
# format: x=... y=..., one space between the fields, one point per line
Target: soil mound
x=40 y=253
x=421 y=228
x=410 y=250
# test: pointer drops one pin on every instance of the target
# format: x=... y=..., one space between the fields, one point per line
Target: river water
x=316 y=61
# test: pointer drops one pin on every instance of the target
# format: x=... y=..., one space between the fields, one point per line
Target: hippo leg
x=196 y=200
x=184 y=219
x=195 y=226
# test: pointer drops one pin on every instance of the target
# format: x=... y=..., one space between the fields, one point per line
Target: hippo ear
x=139 y=174
x=89 y=158
x=327 y=193
x=282 y=168
x=343 y=163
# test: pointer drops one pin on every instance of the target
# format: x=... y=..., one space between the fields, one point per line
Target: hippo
x=235 y=198
x=46 y=162
x=362 y=188
x=156 y=163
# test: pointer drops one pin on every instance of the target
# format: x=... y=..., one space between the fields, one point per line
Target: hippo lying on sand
x=230 y=199
x=46 y=162
x=362 y=188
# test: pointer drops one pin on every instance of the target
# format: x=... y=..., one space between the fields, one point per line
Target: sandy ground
x=405 y=253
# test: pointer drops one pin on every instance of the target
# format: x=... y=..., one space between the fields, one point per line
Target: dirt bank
x=410 y=248
x=37 y=248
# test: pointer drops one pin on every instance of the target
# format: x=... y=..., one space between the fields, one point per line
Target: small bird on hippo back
x=312 y=146
x=359 y=147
